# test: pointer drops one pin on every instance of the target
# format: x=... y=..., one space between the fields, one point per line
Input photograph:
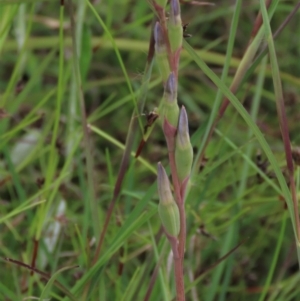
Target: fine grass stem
x=293 y=207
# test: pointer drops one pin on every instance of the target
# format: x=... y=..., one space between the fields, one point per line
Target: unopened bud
x=175 y=30
x=170 y=109
x=183 y=148
x=171 y=88
x=167 y=208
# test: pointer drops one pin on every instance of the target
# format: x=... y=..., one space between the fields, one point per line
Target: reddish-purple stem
x=34 y=254
x=233 y=88
x=124 y=163
x=117 y=189
x=289 y=160
x=140 y=148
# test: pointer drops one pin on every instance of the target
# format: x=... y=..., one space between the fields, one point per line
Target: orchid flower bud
x=170 y=109
x=161 y=53
x=167 y=208
x=183 y=148
x=175 y=30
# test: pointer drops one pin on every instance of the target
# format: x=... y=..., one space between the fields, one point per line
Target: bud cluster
x=168 y=39
x=168 y=44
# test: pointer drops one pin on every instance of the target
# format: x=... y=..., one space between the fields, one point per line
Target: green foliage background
x=56 y=186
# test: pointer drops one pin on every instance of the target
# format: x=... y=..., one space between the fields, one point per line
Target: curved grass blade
x=46 y=291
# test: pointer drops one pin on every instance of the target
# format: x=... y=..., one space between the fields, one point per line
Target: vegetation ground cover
x=74 y=77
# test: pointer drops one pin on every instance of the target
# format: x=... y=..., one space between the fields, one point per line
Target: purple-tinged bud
x=171 y=88
x=183 y=137
x=163 y=184
x=161 y=53
x=175 y=30
x=159 y=39
x=167 y=208
x=170 y=109
x=183 y=148
x=175 y=12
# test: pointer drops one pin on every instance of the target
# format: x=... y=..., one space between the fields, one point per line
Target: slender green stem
x=282 y=120
x=275 y=257
x=87 y=144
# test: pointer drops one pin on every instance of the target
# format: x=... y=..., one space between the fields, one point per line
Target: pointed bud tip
x=171 y=84
x=162 y=177
x=183 y=126
x=163 y=186
x=175 y=8
x=175 y=30
x=159 y=167
x=184 y=149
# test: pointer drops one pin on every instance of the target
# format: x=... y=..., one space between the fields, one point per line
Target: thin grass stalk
x=275 y=258
x=114 y=45
x=154 y=275
x=7 y=14
x=117 y=189
x=250 y=52
x=43 y=210
x=253 y=113
x=87 y=144
x=128 y=146
x=157 y=272
x=210 y=128
x=264 y=50
x=283 y=124
x=53 y=150
x=258 y=22
x=44 y=275
x=73 y=102
x=20 y=31
x=244 y=175
x=129 y=141
x=244 y=114
x=242 y=185
x=19 y=65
